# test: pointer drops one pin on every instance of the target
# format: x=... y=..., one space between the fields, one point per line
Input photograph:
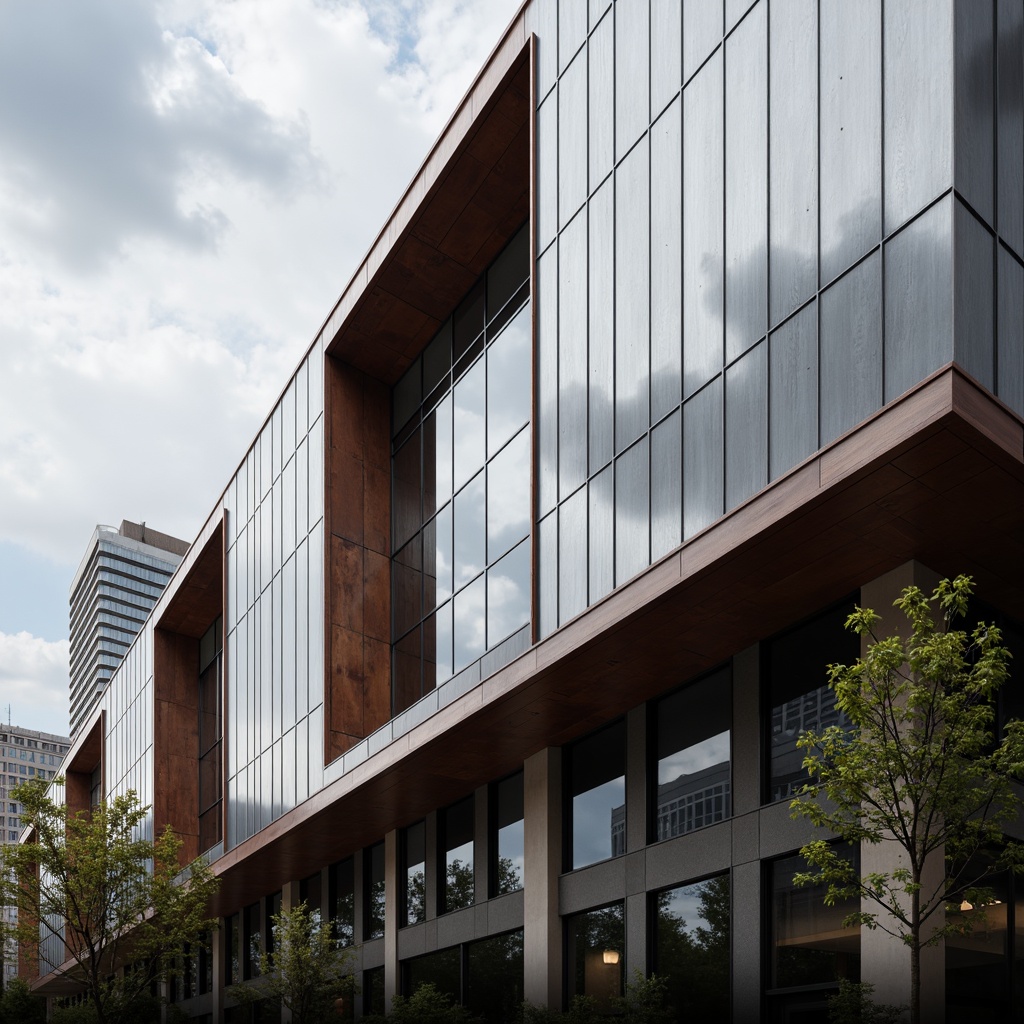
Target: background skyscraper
x=121 y=575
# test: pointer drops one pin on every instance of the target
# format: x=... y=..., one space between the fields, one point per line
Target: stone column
x=542 y=927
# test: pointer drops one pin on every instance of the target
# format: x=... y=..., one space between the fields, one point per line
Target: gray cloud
x=106 y=121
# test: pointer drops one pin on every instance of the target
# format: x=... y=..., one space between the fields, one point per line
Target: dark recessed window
x=692 y=754
x=461 y=484
x=311 y=893
x=596 y=788
x=342 y=883
x=796 y=667
x=596 y=946
x=211 y=724
x=414 y=859
x=374 y=891
x=691 y=947
x=507 y=837
x=456 y=831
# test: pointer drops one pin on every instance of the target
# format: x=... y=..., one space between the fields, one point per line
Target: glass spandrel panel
x=572 y=556
x=1010 y=386
x=666 y=485
x=703 y=198
x=438 y=425
x=632 y=512
x=470 y=531
x=547 y=381
x=702 y=459
x=407 y=671
x=918 y=106
x=851 y=133
x=508 y=594
x=572 y=31
x=572 y=356
x=508 y=381
x=689 y=917
x=793 y=387
x=666 y=258
x=601 y=330
x=469 y=624
x=407 y=489
x=632 y=72
x=442 y=560
x=851 y=349
x=746 y=167
x=975 y=106
x=693 y=754
x=597 y=790
x=746 y=426
x=508 y=496
x=547 y=568
x=437 y=359
x=508 y=272
x=666 y=52
x=1009 y=124
x=572 y=137
x=469 y=423
x=702 y=32
x=632 y=296
x=793 y=124
x=601 y=135
x=918 y=300
x=601 y=537
x=973 y=281
x=443 y=643
x=547 y=171
x=407 y=586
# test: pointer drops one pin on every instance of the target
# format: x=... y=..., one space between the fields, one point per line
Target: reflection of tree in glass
x=458 y=885
x=695 y=960
x=415 y=898
x=509 y=878
x=345 y=918
x=494 y=977
x=376 y=909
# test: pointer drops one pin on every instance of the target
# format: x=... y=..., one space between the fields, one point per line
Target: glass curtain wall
x=461 y=484
x=211 y=726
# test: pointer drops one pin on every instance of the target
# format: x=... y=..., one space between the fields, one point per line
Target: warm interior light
x=611 y=956
x=966 y=906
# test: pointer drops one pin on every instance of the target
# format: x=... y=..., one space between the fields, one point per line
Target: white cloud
x=34 y=682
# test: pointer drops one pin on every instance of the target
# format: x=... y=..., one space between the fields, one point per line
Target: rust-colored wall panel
x=347 y=498
x=346 y=681
x=176 y=737
x=346 y=584
x=377 y=509
x=377 y=605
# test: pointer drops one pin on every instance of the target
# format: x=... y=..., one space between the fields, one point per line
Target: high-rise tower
x=121 y=575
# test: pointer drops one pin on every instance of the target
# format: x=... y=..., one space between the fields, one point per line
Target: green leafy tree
x=426 y=1005
x=117 y=907
x=19 y=1006
x=306 y=972
x=919 y=770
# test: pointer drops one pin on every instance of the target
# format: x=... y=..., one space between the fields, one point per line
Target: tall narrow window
x=374 y=891
x=507 y=837
x=597 y=796
x=211 y=788
x=342 y=885
x=596 y=950
x=796 y=666
x=457 y=839
x=414 y=859
x=693 y=756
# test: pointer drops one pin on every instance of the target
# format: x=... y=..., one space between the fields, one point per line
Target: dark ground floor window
x=597 y=955
x=692 y=947
x=373 y=991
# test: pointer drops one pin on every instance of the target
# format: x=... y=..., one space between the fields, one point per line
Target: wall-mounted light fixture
x=611 y=956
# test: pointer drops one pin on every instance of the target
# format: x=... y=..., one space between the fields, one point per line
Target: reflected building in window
x=700 y=325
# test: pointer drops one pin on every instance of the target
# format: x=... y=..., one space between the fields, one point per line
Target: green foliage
x=19 y=1006
x=918 y=770
x=425 y=1006
x=306 y=972
x=853 y=1005
x=645 y=1002
x=107 y=896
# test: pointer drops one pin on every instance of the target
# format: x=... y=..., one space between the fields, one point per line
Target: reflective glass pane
x=508 y=842
x=596 y=947
x=666 y=52
x=547 y=171
x=508 y=594
x=793 y=387
x=702 y=32
x=494 y=976
x=666 y=485
x=632 y=512
x=572 y=137
x=702 y=459
x=456 y=826
x=974 y=97
x=601 y=56
x=1011 y=332
x=470 y=624
x=632 y=72
x=601 y=332
x=746 y=426
x=572 y=556
x=508 y=497
x=1010 y=125
x=692 y=946
x=414 y=856
x=596 y=784
x=973 y=281
x=547 y=381
x=470 y=531
x=572 y=357
x=469 y=422
x=438 y=426
x=508 y=381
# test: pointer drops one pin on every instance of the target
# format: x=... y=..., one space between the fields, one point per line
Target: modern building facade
x=122 y=573
x=700 y=323
x=24 y=754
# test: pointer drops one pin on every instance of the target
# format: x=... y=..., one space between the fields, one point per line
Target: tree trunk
x=915 y=958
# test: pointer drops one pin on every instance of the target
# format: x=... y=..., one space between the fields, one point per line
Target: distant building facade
x=24 y=754
x=123 y=572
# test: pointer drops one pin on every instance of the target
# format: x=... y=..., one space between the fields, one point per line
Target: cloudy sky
x=185 y=189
